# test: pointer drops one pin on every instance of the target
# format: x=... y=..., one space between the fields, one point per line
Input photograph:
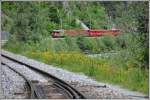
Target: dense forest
x=30 y=25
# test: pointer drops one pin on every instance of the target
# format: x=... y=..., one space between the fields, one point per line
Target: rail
x=38 y=91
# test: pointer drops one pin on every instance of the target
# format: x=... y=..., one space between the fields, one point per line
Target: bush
x=98 y=44
x=131 y=53
x=72 y=45
x=109 y=42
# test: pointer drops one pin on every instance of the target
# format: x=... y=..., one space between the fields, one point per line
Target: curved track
x=53 y=89
x=28 y=83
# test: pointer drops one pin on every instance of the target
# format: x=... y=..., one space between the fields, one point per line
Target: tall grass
x=101 y=70
x=124 y=69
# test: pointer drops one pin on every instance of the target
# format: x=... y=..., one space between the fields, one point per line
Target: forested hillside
x=30 y=25
x=36 y=19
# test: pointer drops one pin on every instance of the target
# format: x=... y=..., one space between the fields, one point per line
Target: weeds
x=123 y=68
x=100 y=70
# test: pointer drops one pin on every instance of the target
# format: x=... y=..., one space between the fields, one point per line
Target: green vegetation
x=36 y=20
x=102 y=70
x=66 y=53
x=31 y=23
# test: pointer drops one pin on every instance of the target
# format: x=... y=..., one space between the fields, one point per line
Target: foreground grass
x=101 y=70
x=132 y=78
x=122 y=69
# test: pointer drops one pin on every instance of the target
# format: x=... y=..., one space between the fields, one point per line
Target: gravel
x=89 y=87
x=13 y=86
x=27 y=72
x=1 y=90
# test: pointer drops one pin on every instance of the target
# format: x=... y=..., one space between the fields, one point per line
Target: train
x=87 y=33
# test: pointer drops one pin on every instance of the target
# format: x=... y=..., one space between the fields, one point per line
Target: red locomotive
x=87 y=33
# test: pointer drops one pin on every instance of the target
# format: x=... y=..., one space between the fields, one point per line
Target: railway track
x=13 y=85
x=54 y=88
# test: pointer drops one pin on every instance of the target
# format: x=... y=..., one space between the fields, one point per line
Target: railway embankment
x=89 y=87
x=41 y=84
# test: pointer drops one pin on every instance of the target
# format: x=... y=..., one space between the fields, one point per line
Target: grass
x=132 y=78
x=114 y=70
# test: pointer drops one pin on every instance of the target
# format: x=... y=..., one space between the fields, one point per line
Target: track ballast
x=54 y=88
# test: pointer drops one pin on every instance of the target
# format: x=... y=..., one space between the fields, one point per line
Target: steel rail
x=71 y=92
x=29 y=83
